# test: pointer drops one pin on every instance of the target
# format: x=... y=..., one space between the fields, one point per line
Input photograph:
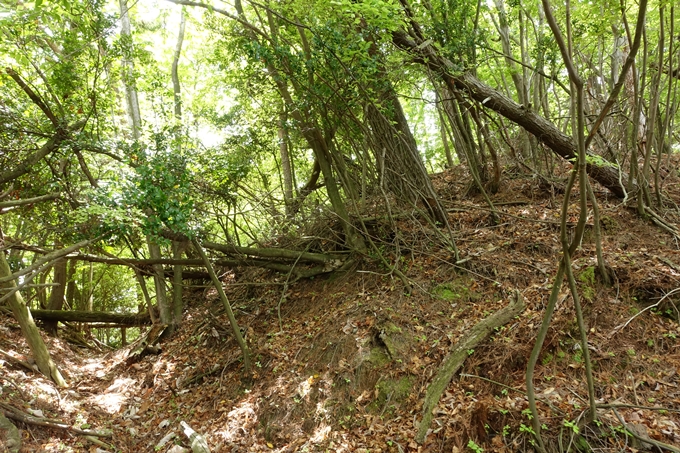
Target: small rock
x=178 y=449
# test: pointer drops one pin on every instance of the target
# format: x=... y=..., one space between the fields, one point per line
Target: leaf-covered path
x=342 y=362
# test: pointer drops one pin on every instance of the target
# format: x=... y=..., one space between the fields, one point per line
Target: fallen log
x=92 y=316
x=263 y=252
x=457 y=356
x=324 y=263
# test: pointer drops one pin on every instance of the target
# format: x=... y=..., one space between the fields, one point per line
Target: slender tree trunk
x=71 y=287
x=56 y=300
x=443 y=130
x=136 y=124
x=286 y=167
x=177 y=286
x=128 y=75
x=159 y=284
x=176 y=88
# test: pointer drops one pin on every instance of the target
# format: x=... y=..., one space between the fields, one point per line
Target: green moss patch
x=391 y=393
x=456 y=291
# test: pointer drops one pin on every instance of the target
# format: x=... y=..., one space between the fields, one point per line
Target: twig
x=96 y=441
x=616 y=329
x=635 y=406
x=17 y=361
x=543 y=400
x=16 y=414
x=647 y=440
x=285 y=288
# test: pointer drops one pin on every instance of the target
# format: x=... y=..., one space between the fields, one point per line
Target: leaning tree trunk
x=561 y=144
x=401 y=167
x=28 y=328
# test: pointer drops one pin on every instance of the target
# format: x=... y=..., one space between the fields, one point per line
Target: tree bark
x=11 y=438
x=561 y=144
x=29 y=329
x=175 y=63
x=286 y=167
x=91 y=317
x=396 y=152
x=128 y=75
x=56 y=300
x=457 y=356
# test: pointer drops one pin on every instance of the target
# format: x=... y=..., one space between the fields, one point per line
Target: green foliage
x=472 y=445
x=160 y=187
x=587 y=279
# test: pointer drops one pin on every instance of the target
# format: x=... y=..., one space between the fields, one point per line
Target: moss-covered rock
x=395 y=340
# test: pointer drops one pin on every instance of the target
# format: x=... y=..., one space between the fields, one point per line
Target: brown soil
x=346 y=365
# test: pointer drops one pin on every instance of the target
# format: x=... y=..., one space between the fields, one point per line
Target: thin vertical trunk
x=159 y=283
x=71 y=288
x=443 y=130
x=175 y=63
x=136 y=124
x=177 y=286
x=128 y=75
x=286 y=167
x=56 y=300
x=145 y=295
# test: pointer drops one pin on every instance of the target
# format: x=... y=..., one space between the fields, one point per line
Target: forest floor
x=341 y=362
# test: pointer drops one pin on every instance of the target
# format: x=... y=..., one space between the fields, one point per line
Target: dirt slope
x=342 y=362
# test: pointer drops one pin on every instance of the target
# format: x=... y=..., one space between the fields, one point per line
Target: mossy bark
x=457 y=356
x=11 y=439
x=28 y=328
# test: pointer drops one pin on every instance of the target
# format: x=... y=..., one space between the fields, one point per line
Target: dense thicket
x=142 y=134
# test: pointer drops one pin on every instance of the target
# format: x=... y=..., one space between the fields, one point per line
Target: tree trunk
x=91 y=317
x=606 y=174
x=71 y=288
x=286 y=168
x=136 y=123
x=159 y=283
x=29 y=329
x=56 y=300
x=399 y=163
x=128 y=75
x=175 y=63
x=177 y=286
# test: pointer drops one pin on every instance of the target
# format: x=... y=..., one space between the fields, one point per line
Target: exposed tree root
x=457 y=356
x=16 y=414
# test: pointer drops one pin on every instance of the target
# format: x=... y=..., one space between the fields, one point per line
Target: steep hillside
x=342 y=362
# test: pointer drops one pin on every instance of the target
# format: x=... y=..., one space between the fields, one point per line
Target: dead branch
x=20 y=416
